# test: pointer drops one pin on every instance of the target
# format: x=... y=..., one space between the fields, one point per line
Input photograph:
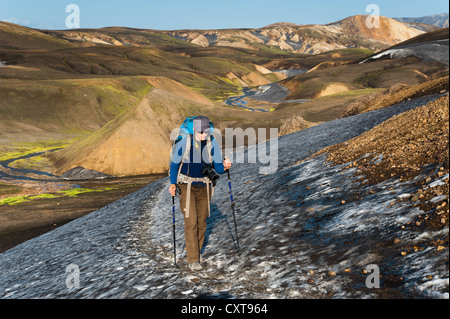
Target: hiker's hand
x=226 y=163
x=173 y=189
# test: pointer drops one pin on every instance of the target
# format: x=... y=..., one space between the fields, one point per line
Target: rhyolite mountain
x=307 y=39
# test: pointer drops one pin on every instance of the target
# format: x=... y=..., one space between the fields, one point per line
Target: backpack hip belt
x=184 y=179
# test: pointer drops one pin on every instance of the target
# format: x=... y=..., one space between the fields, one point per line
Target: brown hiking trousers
x=195 y=224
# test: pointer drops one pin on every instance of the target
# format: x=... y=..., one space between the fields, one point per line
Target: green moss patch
x=17 y=200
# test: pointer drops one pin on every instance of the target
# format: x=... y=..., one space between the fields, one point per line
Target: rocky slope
x=402 y=148
x=395 y=94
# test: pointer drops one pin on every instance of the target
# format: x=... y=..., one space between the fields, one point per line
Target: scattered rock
x=395 y=94
x=81 y=173
x=294 y=124
x=331 y=273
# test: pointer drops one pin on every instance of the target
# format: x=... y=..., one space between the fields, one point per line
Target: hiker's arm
x=174 y=167
x=173 y=177
x=177 y=157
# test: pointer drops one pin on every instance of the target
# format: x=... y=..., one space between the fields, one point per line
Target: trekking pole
x=173 y=222
x=232 y=208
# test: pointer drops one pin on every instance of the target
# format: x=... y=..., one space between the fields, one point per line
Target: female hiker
x=196 y=161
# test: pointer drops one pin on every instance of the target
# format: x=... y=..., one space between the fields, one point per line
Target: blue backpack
x=185 y=133
x=187 y=128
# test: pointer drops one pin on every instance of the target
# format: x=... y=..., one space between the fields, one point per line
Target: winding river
x=273 y=93
x=22 y=173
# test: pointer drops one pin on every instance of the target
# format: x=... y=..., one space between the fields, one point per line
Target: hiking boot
x=195 y=266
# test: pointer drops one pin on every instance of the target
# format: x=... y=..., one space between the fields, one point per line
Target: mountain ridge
x=439 y=20
x=305 y=39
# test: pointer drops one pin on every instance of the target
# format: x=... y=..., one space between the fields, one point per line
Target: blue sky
x=204 y=14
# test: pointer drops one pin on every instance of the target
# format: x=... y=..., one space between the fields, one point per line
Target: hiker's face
x=201 y=136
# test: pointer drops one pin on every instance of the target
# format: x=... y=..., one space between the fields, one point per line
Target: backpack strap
x=185 y=154
x=209 y=149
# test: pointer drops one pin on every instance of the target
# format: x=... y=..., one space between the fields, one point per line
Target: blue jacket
x=196 y=161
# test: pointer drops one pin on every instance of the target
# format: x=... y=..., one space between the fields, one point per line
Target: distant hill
x=132 y=143
x=282 y=24
x=410 y=62
x=14 y=36
x=439 y=20
x=351 y=32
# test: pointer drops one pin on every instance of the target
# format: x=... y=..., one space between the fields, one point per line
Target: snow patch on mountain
x=430 y=51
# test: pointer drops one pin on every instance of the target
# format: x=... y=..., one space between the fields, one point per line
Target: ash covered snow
x=298 y=237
